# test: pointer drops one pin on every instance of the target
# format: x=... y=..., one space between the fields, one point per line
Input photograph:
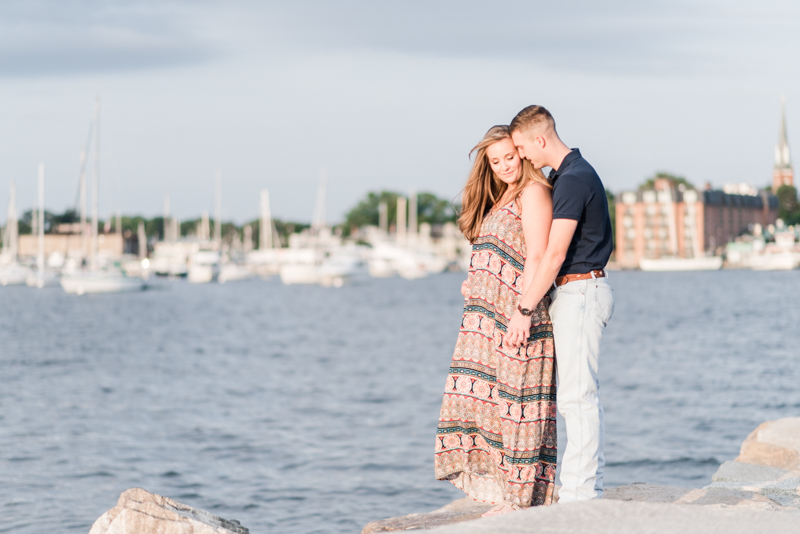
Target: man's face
x=529 y=147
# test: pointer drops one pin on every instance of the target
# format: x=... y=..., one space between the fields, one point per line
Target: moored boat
x=775 y=261
x=82 y=283
x=701 y=263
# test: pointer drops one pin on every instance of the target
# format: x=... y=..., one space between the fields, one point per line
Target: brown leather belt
x=567 y=278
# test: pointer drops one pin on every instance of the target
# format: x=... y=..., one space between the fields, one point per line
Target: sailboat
x=265 y=261
x=93 y=279
x=233 y=268
x=322 y=261
x=11 y=272
x=698 y=262
x=41 y=278
x=408 y=256
x=204 y=264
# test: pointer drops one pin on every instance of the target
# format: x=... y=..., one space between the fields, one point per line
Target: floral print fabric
x=496 y=437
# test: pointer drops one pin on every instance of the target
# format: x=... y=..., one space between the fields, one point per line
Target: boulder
x=713 y=496
x=780 y=486
x=764 y=477
x=140 y=512
x=457 y=511
x=774 y=443
x=608 y=516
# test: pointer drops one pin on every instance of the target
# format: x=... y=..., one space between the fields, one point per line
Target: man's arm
x=560 y=237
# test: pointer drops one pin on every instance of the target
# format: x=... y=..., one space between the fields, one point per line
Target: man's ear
x=541 y=141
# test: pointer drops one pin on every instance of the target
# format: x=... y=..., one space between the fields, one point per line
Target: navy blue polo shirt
x=578 y=194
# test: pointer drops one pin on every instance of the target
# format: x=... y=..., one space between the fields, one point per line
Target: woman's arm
x=537 y=217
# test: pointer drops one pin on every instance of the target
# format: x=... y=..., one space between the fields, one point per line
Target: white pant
x=580 y=311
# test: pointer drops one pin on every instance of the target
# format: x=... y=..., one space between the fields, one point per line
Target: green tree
x=788 y=209
x=433 y=210
x=51 y=220
x=430 y=209
x=366 y=212
x=675 y=179
x=284 y=229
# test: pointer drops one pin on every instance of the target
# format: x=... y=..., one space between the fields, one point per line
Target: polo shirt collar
x=569 y=158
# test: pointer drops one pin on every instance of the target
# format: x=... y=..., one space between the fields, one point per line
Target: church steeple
x=783 y=174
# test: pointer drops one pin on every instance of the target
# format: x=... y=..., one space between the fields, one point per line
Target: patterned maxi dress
x=496 y=438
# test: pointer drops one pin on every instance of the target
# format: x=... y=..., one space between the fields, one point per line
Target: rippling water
x=308 y=409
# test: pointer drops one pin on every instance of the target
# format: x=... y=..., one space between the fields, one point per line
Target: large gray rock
x=141 y=512
x=717 y=497
x=779 y=485
x=748 y=473
x=765 y=477
x=608 y=516
x=774 y=443
x=723 y=493
x=457 y=511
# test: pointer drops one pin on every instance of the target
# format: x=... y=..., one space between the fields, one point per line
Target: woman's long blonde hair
x=484 y=189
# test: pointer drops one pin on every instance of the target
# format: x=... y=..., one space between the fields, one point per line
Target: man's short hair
x=531 y=117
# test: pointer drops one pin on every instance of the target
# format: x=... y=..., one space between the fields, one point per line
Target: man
x=582 y=300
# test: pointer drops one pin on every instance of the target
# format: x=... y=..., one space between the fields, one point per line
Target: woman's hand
x=464 y=288
x=519 y=328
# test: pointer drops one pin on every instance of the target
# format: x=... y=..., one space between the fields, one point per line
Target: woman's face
x=505 y=161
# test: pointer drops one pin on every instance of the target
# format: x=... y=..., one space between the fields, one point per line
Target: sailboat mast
x=95 y=181
x=412 y=217
x=265 y=230
x=218 y=211
x=141 y=238
x=400 y=232
x=383 y=218
x=10 y=234
x=40 y=254
x=83 y=205
x=319 y=219
x=165 y=219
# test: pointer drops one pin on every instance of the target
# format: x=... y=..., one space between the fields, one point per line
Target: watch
x=524 y=311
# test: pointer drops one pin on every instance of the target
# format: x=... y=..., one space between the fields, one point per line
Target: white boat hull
x=203 y=274
x=232 y=273
x=380 y=268
x=705 y=263
x=13 y=275
x=82 y=284
x=778 y=261
x=41 y=281
x=12 y=279
x=312 y=274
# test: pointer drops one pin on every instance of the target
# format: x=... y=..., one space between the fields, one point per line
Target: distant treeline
x=430 y=209
x=154 y=227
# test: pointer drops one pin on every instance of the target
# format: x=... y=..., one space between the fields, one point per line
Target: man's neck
x=560 y=152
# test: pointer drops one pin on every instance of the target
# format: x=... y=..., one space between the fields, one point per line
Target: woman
x=496 y=438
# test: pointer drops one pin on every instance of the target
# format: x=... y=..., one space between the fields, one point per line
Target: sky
x=383 y=95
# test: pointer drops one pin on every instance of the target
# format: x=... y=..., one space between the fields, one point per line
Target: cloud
x=618 y=37
x=614 y=37
x=39 y=38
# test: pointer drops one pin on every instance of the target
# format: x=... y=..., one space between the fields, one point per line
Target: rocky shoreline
x=759 y=491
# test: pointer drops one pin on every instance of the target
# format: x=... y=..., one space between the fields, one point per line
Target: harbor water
x=305 y=409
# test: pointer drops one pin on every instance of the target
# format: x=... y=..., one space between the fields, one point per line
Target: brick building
x=669 y=221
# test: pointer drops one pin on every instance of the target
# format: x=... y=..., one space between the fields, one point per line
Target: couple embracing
x=537 y=302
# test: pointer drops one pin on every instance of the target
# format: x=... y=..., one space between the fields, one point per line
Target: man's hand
x=519 y=328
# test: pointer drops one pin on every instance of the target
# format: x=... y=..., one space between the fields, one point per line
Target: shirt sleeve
x=569 y=199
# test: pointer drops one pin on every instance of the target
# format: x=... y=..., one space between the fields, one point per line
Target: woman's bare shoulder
x=536 y=193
